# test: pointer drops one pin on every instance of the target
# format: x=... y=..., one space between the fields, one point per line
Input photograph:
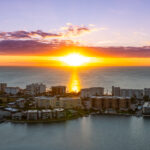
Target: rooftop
x=69 y=98
x=20 y=99
x=59 y=109
x=11 y=109
x=110 y=97
x=92 y=88
x=32 y=111
x=45 y=98
x=46 y=110
x=146 y=104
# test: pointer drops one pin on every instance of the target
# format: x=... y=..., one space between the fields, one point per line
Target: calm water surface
x=126 y=77
x=88 y=133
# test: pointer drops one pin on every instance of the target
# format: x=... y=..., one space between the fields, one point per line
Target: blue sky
x=126 y=22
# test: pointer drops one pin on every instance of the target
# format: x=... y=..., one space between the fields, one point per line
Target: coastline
x=42 y=121
x=67 y=119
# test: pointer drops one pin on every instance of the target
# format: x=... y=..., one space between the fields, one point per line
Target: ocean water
x=125 y=77
x=87 y=133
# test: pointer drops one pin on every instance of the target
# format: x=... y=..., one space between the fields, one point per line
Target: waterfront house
x=110 y=103
x=5 y=113
x=32 y=115
x=146 y=108
x=46 y=114
x=58 y=113
x=16 y=116
x=11 y=104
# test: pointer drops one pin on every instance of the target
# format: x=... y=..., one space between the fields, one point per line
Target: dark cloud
x=26 y=35
x=121 y=51
x=70 y=30
x=44 y=34
x=32 y=47
x=17 y=35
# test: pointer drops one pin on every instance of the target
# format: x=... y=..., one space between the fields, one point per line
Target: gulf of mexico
x=126 y=77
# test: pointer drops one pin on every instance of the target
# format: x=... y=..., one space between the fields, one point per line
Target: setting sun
x=75 y=59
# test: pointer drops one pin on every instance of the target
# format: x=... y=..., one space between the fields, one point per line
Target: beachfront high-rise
x=93 y=91
x=58 y=90
x=2 y=87
x=35 y=88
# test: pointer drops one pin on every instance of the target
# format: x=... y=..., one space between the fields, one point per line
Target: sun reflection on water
x=74 y=84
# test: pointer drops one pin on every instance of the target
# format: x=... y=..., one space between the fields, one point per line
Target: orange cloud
x=75 y=30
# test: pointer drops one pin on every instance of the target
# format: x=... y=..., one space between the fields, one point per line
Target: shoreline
x=42 y=121
x=66 y=119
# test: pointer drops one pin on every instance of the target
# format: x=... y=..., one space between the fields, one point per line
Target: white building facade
x=94 y=91
x=35 y=88
x=12 y=90
x=138 y=93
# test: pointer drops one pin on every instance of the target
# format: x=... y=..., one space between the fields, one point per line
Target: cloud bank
x=46 y=43
x=67 y=31
x=32 y=47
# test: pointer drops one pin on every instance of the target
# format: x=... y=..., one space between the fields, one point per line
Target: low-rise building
x=68 y=102
x=12 y=104
x=20 y=102
x=46 y=114
x=32 y=115
x=55 y=102
x=13 y=110
x=94 y=91
x=87 y=104
x=17 y=116
x=45 y=102
x=58 y=113
x=146 y=108
x=5 y=113
x=110 y=102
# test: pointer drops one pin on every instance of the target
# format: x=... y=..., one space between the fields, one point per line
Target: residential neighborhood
x=36 y=103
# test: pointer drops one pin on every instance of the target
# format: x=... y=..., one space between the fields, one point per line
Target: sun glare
x=74 y=84
x=75 y=59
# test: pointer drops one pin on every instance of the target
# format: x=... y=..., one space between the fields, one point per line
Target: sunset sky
x=110 y=32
